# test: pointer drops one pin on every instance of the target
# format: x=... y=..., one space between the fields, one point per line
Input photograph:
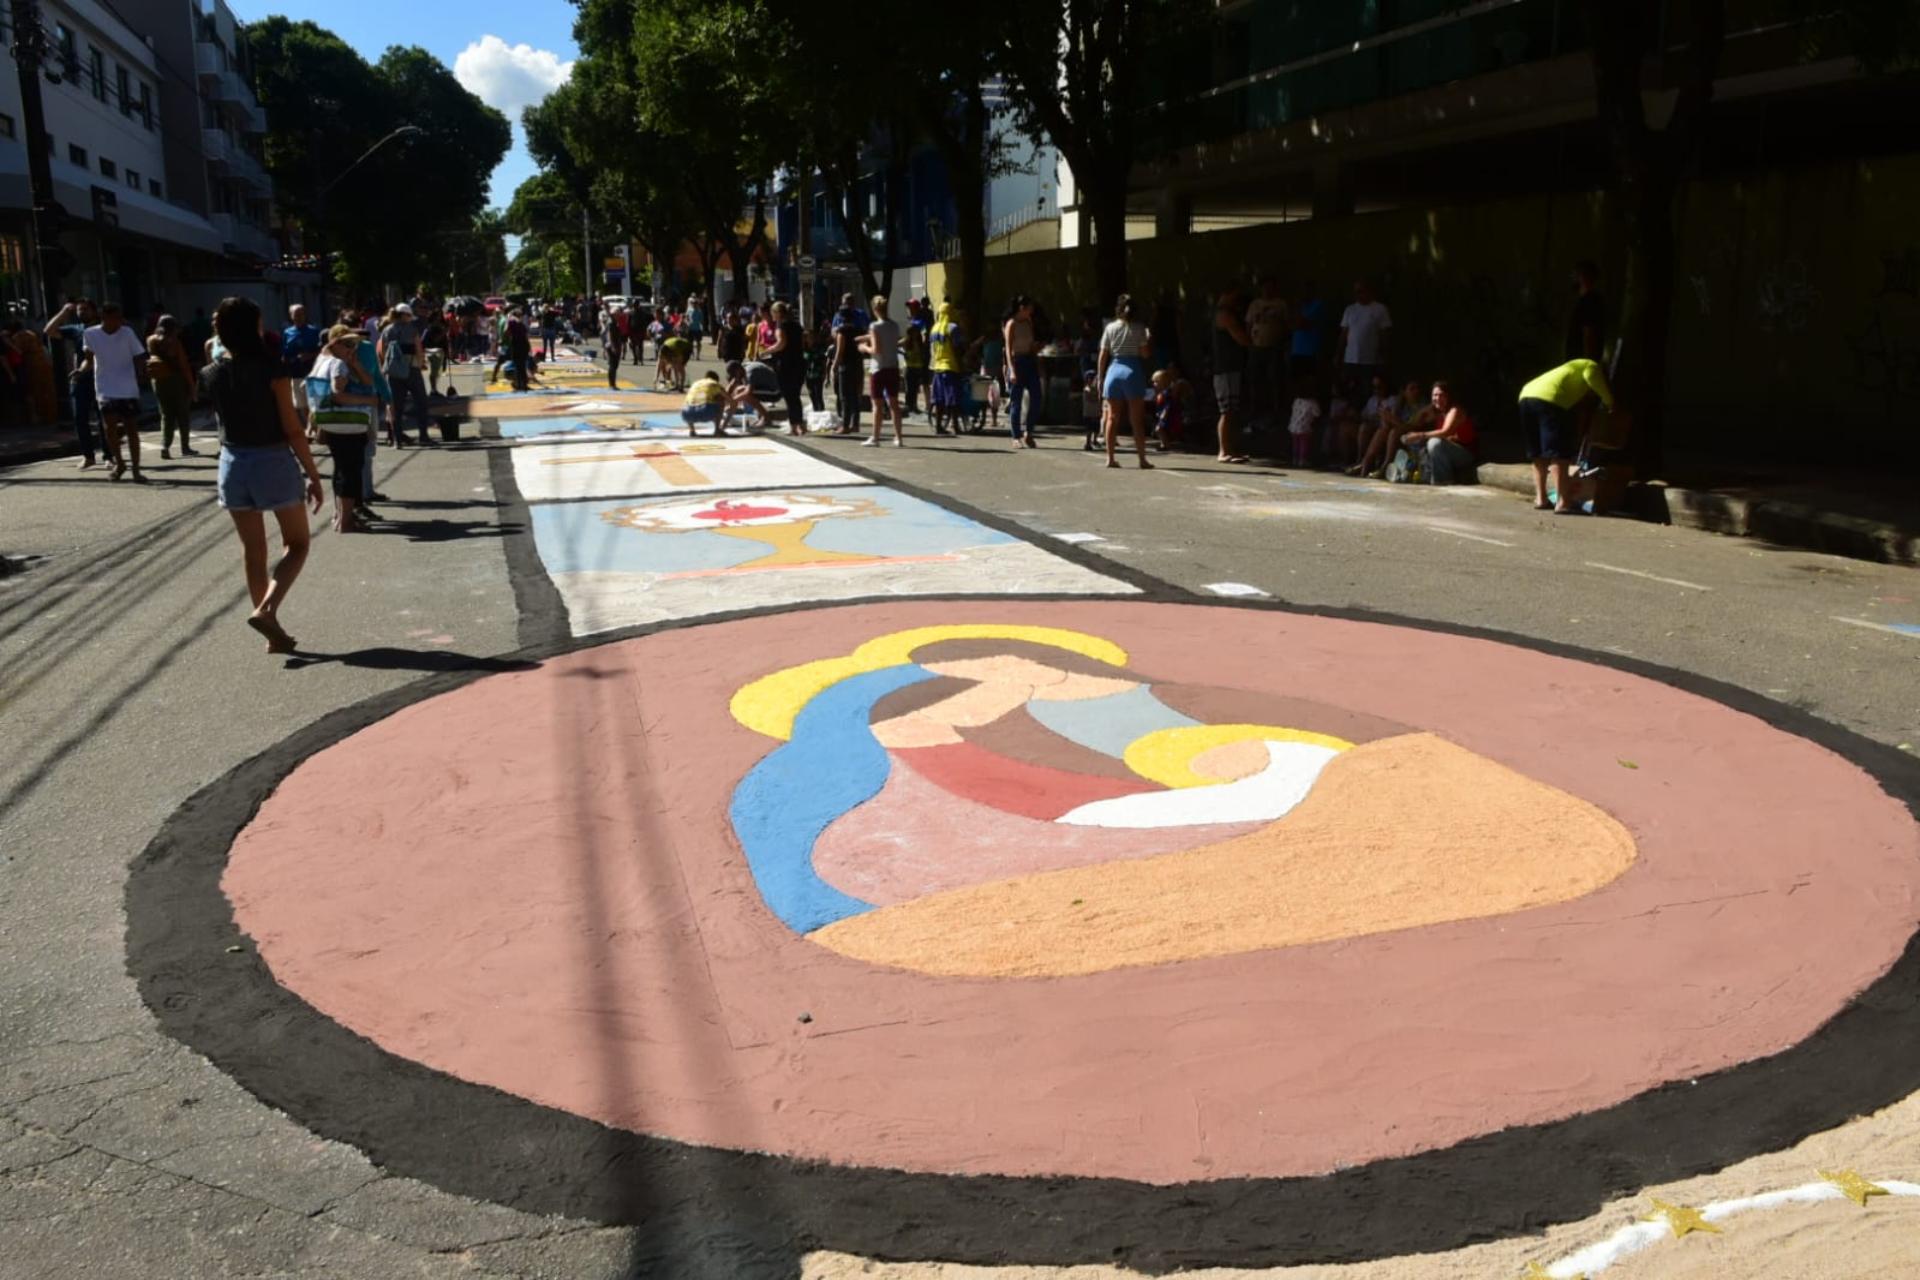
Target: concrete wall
x=1797 y=319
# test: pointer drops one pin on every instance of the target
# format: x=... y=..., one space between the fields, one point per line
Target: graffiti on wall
x=1785 y=297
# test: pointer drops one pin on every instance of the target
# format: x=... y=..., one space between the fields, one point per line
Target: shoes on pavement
x=377 y=496
x=188 y=453
x=166 y=455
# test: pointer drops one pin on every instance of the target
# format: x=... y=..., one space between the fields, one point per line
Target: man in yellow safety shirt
x=1553 y=408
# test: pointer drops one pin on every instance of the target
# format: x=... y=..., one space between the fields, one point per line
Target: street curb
x=39 y=453
x=1790 y=524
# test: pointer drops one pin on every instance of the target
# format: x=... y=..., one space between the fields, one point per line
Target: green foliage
x=386 y=218
x=542 y=208
x=550 y=269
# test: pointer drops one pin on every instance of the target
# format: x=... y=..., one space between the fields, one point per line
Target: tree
x=476 y=255
x=1649 y=161
x=326 y=105
x=585 y=136
x=1078 y=71
x=684 y=55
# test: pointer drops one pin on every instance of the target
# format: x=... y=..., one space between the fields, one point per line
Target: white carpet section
x=1627 y=1241
x=1292 y=768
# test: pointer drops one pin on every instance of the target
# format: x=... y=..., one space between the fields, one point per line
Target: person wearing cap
x=173 y=383
x=401 y=359
x=344 y=407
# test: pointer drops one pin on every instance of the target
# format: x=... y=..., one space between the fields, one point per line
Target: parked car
x=495 y=303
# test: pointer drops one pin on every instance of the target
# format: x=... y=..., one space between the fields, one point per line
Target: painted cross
x=668 y=462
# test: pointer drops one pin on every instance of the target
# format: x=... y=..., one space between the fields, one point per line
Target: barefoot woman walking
x=263 y=451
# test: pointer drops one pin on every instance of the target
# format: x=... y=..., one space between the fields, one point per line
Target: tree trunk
x=1108 y=202
x=1649 y=165
x=969 y=183
x=1646 y=313
x=891 y=202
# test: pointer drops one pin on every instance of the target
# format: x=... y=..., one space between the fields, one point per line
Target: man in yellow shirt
x=1554 y=408
x=947 y=354
x=706 y=402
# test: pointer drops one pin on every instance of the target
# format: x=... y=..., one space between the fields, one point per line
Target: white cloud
x=509 y=76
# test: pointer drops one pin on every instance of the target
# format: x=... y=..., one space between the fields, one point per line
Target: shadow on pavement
x=388 y=658
x=438 y=530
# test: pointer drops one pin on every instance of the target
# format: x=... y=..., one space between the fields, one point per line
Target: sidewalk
x=36 y=444
x=1841 y=513
x=19 y=445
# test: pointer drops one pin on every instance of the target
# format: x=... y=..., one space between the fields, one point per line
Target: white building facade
x=153 y=136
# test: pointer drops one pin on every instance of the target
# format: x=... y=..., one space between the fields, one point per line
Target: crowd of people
x=1288 y=378
x=276 y=392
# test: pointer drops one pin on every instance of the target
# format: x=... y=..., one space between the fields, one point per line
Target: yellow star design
x=1680 y=1218
x=1853 y=1186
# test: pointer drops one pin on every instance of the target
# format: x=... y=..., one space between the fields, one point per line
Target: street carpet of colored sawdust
x=1407 y=831
x=1835 y=1240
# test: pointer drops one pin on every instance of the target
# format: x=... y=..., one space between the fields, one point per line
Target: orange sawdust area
x=1402 y=832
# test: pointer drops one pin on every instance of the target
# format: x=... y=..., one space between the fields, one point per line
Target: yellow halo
x=769 y=704
x=1166 y=756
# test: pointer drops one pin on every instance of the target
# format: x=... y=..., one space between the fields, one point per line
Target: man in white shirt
x=1363 y=336
x=119 y=367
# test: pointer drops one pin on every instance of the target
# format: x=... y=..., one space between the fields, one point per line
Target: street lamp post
x=45 y=216
x=320 y=202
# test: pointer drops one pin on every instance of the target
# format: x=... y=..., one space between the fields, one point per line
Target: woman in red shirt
x=1452 y=446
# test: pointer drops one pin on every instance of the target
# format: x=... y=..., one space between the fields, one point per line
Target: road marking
x=1651 y=577
x=1079 y=537
x=1470 y=537
x=1897 y=628
x=1234 y=589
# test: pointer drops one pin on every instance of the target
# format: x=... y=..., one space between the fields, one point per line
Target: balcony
x=228 y=158
x=244 y=240
x=220 y=84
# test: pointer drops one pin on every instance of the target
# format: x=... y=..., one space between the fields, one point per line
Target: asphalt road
x=128 y=680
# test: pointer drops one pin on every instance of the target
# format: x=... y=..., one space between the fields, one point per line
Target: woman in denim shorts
x=263 y=457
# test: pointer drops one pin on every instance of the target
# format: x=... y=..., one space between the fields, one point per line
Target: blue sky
x=509 y=55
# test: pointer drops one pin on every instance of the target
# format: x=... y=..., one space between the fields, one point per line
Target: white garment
x=1364 y=325
x=1290 y=772
x=116 y=360
x=1305 y=413
x=1124 y=338
x=329 y=368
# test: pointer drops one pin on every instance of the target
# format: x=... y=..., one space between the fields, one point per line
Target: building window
x=97 y=68
x=108 y=169
x=77 y=154
x=146 y=105
x=69 y=52
x=123 y=83
x=6 y=126
x=133 y=179
x=153 y=188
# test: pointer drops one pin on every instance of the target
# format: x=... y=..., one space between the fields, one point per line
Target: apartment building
x=154 y=135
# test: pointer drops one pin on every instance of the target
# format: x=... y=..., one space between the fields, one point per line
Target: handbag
x=344 y=419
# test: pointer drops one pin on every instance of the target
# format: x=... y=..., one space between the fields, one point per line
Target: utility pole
x=30 y=47
x=586 y=256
